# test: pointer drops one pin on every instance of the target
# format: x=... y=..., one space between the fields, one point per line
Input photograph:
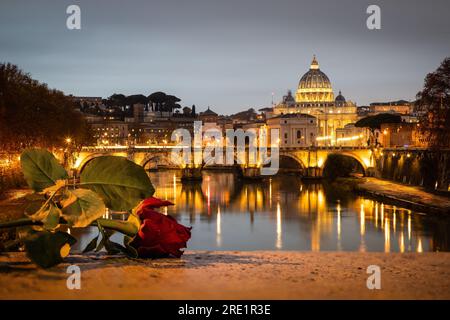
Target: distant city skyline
x=229 y=55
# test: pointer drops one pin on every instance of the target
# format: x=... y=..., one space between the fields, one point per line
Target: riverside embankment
x=411 y=197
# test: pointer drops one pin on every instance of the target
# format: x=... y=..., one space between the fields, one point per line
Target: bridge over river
x=311 y=160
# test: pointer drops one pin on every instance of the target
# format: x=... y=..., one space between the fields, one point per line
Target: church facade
x=315 y=97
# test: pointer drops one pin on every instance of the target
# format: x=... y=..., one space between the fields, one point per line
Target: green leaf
x=121 y=183
x=135 y=221
x=130 y=250
x=51 y=221
x=92 y=245
x=48 y=215
x=47 y=249
x=113 y=248
x=81 y=207
x=105 y=237
x=41 y=169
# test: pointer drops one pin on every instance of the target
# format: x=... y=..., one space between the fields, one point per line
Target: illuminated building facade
x=296 y=130
x=315 y=97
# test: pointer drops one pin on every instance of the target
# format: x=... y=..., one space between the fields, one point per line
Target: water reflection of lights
x=270 y=193
x=409 y=226
x=376 y=215
x=402 y=242
x=218 y=228
x=375 y=222
x=174 y=187
x=362 y=228
x=387 y=236
x=320 y=197
x=279 y=242
x=419 y=245
x=394 y=220
x=339 y=227
x=208 y=196
x=362 y=219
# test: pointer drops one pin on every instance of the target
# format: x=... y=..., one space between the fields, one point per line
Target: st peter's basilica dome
x=314 y=87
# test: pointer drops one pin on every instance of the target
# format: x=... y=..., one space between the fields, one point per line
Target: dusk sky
x=230 y=55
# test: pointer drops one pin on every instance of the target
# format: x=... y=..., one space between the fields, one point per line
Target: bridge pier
x=251 y=173
x=313 y=173
x=191 y=174
x=371 y=172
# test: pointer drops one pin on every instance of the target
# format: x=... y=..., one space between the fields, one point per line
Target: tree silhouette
x=434 y=103
x=157 y=100
x=31 y=114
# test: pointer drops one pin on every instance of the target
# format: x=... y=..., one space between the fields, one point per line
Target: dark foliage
x=434 y=102
x=31 y=114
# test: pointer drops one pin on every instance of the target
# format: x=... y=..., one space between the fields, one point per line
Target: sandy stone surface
x=233 y=275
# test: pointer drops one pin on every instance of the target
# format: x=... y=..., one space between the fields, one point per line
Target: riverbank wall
x=426 y=168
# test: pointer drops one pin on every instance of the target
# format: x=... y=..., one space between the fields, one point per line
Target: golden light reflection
x=394 y=218
x=270 y=193
x=320 y=198
x=174 y=188
x=362 y=219
x=339 y=227
x=222 y=195
x=387 y=236
x=402 y=242
x=409 y=226
x=279 y=241
x=376 y=215
x=219 y=228
x=208 y=196
x=362 y=228
x=419 y=245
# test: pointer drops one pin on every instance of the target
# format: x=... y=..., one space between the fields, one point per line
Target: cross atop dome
x=314 y=63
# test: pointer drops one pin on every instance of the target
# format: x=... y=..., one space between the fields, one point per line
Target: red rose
x=159 y=235
x=153 y=202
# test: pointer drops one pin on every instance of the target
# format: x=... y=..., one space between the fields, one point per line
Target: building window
x=299 y=134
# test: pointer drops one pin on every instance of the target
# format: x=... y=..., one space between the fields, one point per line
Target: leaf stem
x=122 y=226
x=19 y=223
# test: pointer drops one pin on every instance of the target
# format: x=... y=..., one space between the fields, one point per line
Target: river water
x=282 y=213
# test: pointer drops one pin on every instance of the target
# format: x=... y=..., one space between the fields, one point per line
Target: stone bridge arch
x=354 y=156
x=295 y=157
x=158 y=159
